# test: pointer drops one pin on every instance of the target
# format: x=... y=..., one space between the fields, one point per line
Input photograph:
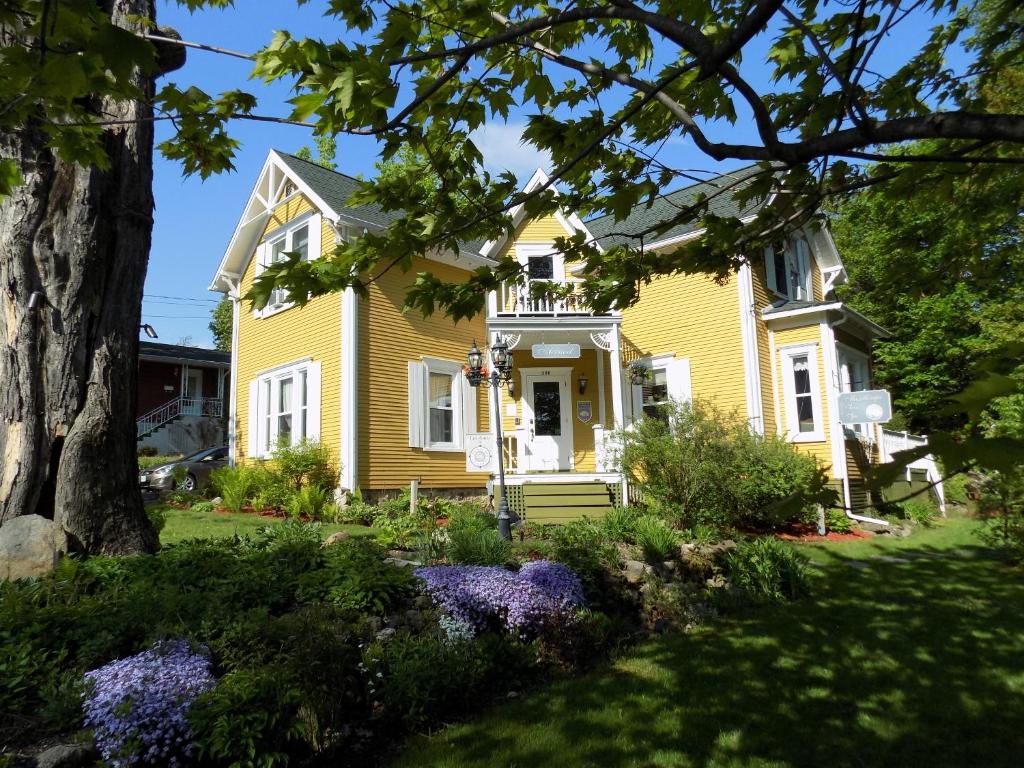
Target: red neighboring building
x=183 y=397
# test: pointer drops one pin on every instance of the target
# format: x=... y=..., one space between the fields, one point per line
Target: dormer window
x=788 y=269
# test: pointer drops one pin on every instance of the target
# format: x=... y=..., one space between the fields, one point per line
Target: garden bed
x=808 y=533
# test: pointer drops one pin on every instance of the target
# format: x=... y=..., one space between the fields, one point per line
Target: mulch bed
x=807 y=533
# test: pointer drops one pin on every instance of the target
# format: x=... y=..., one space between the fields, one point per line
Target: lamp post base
x=504 y=521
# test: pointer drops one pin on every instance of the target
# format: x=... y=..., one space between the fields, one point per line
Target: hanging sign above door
x=551 y=351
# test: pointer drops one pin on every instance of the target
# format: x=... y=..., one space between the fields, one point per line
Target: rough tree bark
x=74 y=243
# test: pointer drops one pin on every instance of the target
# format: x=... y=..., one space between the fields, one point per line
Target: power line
x=178 y=298
x=179 y=317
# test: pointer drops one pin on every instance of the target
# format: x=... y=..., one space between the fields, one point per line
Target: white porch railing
x=893 y=442
x=518 y=299
x=179 y=406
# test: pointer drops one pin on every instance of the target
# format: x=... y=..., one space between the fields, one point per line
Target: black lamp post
x=500 y=374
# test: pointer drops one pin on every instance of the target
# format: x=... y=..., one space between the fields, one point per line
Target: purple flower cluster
x=137 y=706
x=480 y=595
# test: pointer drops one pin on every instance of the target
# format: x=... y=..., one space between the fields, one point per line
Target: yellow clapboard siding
x=293 y=334
x=696 y=318
x=388 y=340
x=808 y=334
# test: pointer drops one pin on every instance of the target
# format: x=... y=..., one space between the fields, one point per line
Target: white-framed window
x=802 y=390
x=854 y=376
x=301 y=236
x=442 y=405
x=284 y=407
x=788 y=269
x=668 y=380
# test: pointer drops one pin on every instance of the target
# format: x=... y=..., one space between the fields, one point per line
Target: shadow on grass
x=899 y=664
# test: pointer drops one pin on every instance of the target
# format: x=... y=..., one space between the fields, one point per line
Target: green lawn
x=917 y=663
x=185 y=524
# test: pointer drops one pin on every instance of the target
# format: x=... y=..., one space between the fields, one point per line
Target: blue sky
x=194 y=219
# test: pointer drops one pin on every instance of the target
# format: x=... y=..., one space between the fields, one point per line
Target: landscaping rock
x=30 y=545
x=334 y=538
x=402 y=563
x=423 y=602
x=386 y=634
x=67 y=756
x=414 y=619
x=216 y=501
x=635 y=571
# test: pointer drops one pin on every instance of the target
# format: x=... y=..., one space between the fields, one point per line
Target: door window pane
x=442 y=415
x=547 y=408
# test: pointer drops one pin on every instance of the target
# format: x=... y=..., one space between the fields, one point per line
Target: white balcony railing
x=893 y=442
x=179 y=406
x=518 y=299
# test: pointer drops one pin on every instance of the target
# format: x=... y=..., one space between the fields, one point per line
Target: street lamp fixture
x=500 y=375
x=149 y=330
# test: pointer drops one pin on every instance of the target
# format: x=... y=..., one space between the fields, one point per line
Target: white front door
x=192 y=391
x=547 y=407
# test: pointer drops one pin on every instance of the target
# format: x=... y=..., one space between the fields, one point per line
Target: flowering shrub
x=137 y=706
x=521 y=601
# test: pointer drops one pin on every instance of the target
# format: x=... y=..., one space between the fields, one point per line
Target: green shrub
x=619 y=524
x=424 y=679
x=178 y=473
x=836 y=521
x=204 y=507
x=147 y=451
x=157 y=517
x=397 y=522
x=585 y=548
x=768 y=570
x=354 y=575
x=700 y=466
x=233 y=485
x=306 y=463
x=657 y=541
x=147 y=461
x=311 y=500
x=268 y=490
x=701 y=535
x=920 y=511
x=470 y=518
x=478 y=547
x=182 y=498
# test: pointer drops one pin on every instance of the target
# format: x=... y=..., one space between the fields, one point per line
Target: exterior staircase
x=562 y=502
x=163 y=415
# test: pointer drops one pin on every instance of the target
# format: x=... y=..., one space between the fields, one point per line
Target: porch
x=565 y=400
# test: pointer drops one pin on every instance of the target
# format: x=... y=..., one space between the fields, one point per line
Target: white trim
x=751 y=363
x=349 y=477
x=570 y=222
x=615 y=356
x=793 y=433
x=262 y=422
x=292 y=364
x=775 y=382
x=454 y=370
x=602 y=409
x=836 y=432
x=233 y=410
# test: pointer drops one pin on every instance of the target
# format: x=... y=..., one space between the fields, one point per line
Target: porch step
x=561 y=502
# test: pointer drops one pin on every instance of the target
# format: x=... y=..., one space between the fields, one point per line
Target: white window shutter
x=417 y=405
x=769 y=267
x=314 y=237
x=679 y=386
x=804 y=266
x=254 y=421
x=468 y=406
x=313 y=401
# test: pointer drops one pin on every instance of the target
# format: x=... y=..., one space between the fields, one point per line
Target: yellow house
x=384 y=389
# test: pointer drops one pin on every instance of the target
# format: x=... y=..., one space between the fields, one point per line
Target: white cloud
x=503 y=149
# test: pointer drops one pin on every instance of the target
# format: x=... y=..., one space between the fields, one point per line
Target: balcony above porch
x=522 y=300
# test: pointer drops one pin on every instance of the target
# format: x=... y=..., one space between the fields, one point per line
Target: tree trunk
x=75 y=242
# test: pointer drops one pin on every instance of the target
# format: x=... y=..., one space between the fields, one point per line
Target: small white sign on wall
x=481 y=453
x=555 y=351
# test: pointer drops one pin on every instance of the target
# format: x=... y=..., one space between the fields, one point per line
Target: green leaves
x=10 y=177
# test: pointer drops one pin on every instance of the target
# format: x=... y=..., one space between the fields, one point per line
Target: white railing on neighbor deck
x=893 y=442
x=516 y=299
x=179 y=406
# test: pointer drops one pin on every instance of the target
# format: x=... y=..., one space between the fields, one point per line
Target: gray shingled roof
x=335 y=188
x=156 y=350
x=610 y=232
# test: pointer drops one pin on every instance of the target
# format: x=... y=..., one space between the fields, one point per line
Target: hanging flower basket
x=639 y=374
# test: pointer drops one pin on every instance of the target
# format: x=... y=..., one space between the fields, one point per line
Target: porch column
x=616 y=365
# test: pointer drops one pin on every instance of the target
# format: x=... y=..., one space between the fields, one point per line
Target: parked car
x=198 y=467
